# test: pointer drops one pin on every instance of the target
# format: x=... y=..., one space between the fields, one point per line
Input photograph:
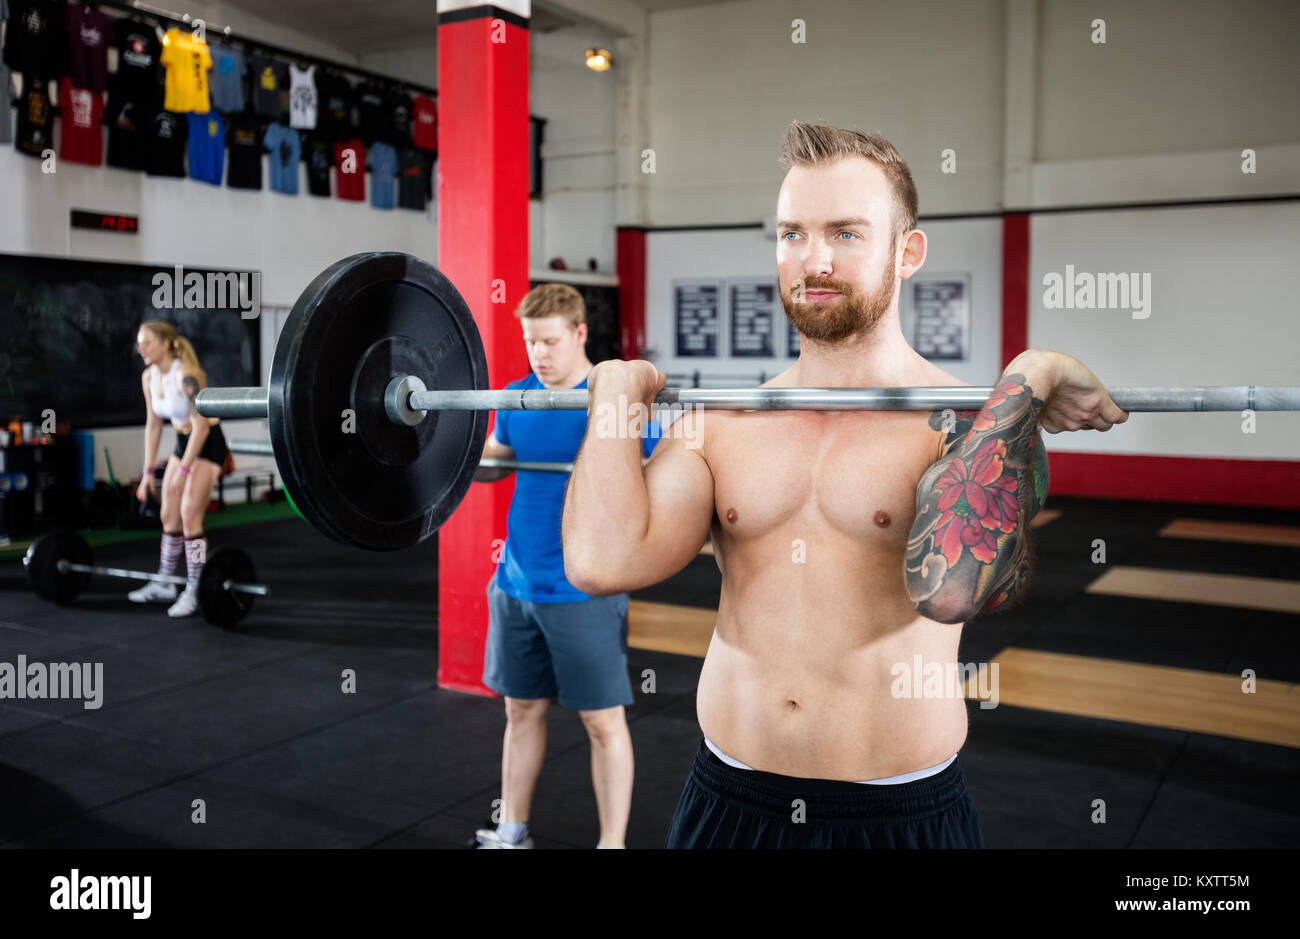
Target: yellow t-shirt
x=187 y=62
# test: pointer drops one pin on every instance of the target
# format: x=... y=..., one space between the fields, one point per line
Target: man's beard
x=851 y=313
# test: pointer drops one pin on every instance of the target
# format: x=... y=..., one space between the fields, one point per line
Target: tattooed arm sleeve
x=969 y=550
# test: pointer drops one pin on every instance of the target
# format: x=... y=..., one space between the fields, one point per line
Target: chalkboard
x=67 y=339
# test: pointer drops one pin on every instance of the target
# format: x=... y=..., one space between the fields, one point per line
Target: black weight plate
x=362 y=322
x=42 y=565
x=220 y=606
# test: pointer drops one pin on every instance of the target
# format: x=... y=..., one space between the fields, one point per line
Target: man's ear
x=913 y=253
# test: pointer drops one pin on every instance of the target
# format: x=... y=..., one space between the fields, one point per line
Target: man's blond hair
x=821 y=144
x=554 y=300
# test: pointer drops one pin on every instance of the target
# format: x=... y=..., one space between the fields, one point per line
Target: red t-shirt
x=352 y=175
x=426 y=123
x=82 y=113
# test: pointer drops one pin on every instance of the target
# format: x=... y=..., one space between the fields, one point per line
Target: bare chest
x=852 y=473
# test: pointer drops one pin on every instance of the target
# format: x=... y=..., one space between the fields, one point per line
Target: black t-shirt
x=167 y=144
x=318 y=154
x=130 y=136
x=134 y=95
x=137 y=77
x=244 y=138
x=35 y=132
x=333 y=106
x=401 y=107
x=35 y=40
x=410 y=178
x=376 y=118
x=267 y=78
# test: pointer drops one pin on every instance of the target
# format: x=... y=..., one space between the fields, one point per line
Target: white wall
x=1224 y=311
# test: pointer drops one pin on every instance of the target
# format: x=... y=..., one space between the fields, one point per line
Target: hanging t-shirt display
x=267 y=78
x=350 y=160
x=410 y=178
x=318 y=153
x=284 y=146
x=35 y=41
x=167 y=147
x=35 y=131
x=81 y=139
x=207 y=147
x=129 y=135
x=227 y=77
x=137 y=77
x=372 y=112
x=245 y=141
x=333 y=105
x=187 y=62
x=302 y=97
x=89 y=33
x=400 y=108
x=383 y=165
x=425 y=133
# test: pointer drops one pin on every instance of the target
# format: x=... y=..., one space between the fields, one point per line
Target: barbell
x=59 y=565
x=378 y=400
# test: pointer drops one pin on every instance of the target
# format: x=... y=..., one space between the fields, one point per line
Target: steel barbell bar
x=63 y=566
x=252 y=402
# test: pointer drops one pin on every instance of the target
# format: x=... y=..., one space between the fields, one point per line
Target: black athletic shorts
x=214 y=448
x=726 y=807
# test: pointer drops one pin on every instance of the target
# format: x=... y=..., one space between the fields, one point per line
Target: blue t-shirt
x=226 y=80
x=532 y=561
x=383 y=166
x=285 y=147
x=207 y=147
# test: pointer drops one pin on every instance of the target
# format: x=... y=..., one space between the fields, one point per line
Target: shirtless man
x=848 y=541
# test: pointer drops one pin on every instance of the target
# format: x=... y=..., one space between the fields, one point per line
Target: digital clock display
x=105 y=221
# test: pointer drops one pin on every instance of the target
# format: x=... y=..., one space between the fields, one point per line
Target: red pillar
x=482 y=193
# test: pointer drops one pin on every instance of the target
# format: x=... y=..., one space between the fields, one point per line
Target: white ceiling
x=369 y=27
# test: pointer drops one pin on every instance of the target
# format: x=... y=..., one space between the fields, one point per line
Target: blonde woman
x=171 y=380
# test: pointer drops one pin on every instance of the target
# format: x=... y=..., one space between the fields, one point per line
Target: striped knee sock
x=172 y=542
x=196 y=553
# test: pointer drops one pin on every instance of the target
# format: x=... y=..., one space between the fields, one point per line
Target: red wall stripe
x=630 y=263
x=1015 y=285
x=1269 y=483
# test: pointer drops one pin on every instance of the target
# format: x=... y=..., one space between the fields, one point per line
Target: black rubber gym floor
x=254 y=722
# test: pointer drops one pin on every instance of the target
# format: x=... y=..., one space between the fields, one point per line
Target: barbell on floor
x=59 y=565
x=263 y=448
x=378 y=401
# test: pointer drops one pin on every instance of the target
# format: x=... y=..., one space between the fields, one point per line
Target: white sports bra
x=173 y=405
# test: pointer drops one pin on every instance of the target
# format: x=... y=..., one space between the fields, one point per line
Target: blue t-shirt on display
x=532 y=561
x=383 y=166
x=285 y=147
x=207 y=147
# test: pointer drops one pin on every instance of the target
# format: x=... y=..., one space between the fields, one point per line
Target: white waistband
x=886 y=781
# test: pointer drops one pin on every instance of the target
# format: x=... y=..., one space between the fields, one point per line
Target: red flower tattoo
x=977 y=503
x=1000 y=394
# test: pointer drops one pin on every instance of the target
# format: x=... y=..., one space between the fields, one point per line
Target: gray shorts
x=576 y=652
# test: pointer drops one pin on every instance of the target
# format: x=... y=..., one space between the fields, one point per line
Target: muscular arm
x=969 y=551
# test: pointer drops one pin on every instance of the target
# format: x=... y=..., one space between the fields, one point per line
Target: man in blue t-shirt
x=547 y=639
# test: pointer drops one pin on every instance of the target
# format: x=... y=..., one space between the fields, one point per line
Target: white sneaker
x=488 y=838
x=186 y=605
x=153 y=592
